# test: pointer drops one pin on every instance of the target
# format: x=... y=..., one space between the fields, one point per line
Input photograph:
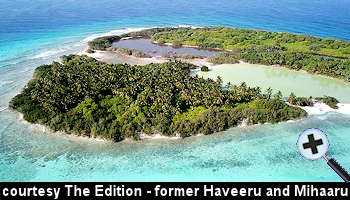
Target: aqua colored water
x=287 y=81
x=257 y=153
x=37 y=32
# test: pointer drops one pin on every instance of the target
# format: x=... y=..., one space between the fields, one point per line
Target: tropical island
x=87 y=97
x=83 y=96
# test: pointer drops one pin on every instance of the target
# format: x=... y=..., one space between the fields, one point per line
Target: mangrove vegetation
x=130 y=52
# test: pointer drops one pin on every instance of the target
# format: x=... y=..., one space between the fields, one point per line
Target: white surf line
x=3 y=108
x=322 y=108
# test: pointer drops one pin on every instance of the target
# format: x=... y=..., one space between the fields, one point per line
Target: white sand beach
x=157 y=136
x=322 y=108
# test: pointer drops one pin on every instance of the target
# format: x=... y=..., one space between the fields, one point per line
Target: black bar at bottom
x=179 y=190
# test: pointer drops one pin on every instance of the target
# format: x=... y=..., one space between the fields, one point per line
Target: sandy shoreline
x=190 y=46
x=104 y=56
x=322 y=108
x=316 y=109
x=158 y=136
x=47 y=130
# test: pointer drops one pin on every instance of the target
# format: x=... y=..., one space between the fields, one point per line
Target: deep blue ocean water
x=26 y=25
x=37 y=32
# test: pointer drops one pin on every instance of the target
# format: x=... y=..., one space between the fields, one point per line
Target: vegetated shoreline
x=206 y=62
x=316 y=109
x=46 y=129
x=100 y=55
x=322 y=108
x=156 y=136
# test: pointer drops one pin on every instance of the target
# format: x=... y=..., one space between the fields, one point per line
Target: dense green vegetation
x=316 y=55
x=147 y=33
x=223 y=58
x=83 y=96
x=314 y=63
x=206 y=121
x=300 y=101
x=130 y=52
x=204 y=68
x=102 y=43
x=303 y=101
x=272 y=55
x=330 y=101
x=181 y=56
x=90 y=50
x=232 y=38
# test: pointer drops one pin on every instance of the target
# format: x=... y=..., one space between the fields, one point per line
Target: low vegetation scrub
x=102 y=43
x=182 y=56
x=90 y=50
x=223 y=58
x=300 y=101
x=330 y=101
x=204 y=68
x=130 y=52
x=231 y=38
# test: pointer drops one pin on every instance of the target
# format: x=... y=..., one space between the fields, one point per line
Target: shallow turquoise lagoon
x=256 y=153
x=285 y=80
